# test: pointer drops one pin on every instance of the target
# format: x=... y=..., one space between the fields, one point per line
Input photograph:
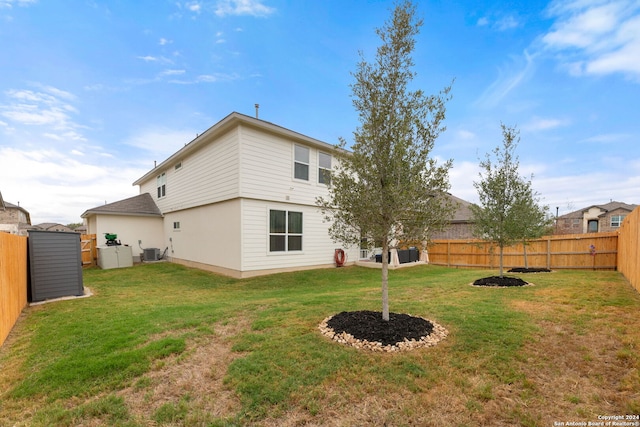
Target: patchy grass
x=166 y=345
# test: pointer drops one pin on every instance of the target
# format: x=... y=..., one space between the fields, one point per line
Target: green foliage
x=509 y=210
x=388 y=189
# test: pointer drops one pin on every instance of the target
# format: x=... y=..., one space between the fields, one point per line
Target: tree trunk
x=524 y=248
x=385 y=281
x=501 y=260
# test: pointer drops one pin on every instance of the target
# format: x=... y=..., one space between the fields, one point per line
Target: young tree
x=509 y=211
x=388 y=189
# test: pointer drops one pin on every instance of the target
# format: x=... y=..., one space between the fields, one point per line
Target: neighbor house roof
x=607 y=207
x=6 y=205
x=463 y=211
x=141 y=205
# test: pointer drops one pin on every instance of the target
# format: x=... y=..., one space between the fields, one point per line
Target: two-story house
x=594 y=219
x=239 y=200
x=14 y=219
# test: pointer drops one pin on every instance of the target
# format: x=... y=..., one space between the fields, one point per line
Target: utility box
x=55 y=265
x=114 y=257
x=151 y=254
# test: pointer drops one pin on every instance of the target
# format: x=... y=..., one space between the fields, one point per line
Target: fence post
x=549 y=253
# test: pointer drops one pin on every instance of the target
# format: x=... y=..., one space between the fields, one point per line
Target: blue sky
x=92 y=92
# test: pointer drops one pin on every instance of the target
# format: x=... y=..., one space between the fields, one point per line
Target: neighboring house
x=238 y=200
x=137 y=221
x=51 y=226
x=13 y=218
x=461 y=226
x=594 y=219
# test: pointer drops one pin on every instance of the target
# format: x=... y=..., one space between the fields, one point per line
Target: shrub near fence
x=629 y=250
x=13 y=281
x=572 y=251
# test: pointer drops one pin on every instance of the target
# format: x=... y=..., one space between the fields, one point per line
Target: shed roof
x=141 y=205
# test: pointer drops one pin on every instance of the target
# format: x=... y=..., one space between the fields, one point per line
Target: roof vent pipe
x=257 y=108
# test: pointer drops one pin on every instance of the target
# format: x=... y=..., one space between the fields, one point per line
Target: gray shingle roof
x=607 y=207
x=142 y=205
x=463 y=212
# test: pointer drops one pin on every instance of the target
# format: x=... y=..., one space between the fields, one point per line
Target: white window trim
x=320 y=168
x=286 y=234
x=161 y=182
x=308 y=164
x=619 y=221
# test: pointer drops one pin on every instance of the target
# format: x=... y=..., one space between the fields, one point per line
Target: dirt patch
x=197 y=375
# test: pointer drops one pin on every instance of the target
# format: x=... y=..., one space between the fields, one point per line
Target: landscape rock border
x=437 y=334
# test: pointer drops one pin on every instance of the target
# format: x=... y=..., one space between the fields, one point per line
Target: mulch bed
x=366 y=330
x=497 y=281
x=529 y=270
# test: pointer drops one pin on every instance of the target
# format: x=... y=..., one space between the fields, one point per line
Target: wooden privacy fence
x=13 y=281
x=628 y=242
x=88 y=249
x=570 y=251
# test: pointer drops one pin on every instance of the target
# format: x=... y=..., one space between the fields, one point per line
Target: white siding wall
x=208 y=176
x=129 y=229
x=317 y=247
x=222 y=194
x=266 y=169
x=207 y=234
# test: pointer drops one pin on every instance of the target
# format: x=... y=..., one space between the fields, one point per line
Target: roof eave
x=224 y=125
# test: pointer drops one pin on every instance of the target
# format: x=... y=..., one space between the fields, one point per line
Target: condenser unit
x=151 y=254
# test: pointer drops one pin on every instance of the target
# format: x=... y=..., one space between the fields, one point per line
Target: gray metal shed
x=55 y=265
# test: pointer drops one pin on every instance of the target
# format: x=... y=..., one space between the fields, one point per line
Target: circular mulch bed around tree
x=366 y=330
x=529 y=270
x=500 y=282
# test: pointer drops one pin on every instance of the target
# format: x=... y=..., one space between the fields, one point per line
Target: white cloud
x=503 y=23
x=47 y=109
x=194 y=7
x=242 y=7
x=159 y=59
x=160 y=142
x=608 y=138
x=8 y=4
x=518 y=72
x=541 y=124
x=595 y=37
x=60 y=188
x=506 y=23
x=172 y=72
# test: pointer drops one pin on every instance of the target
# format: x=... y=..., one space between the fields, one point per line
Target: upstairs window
x=616 y=220
x=285 y=231
x=301 y=163
x=324 y=168
x=161 y=184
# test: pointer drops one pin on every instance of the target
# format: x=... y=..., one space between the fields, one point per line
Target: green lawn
x=166 y=345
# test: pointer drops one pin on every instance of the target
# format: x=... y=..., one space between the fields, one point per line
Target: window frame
x=620 y=219
x=324 y=172
x=306 y=164
x=287 y=234
x=161 y=185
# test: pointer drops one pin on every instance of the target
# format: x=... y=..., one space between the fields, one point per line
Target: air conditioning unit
x=151 y=254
